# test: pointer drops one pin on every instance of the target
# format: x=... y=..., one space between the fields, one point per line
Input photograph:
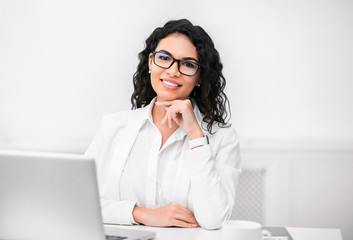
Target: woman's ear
x=150 y=61
x=198 y=82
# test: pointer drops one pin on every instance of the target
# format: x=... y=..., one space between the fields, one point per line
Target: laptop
x=279 y=233
x=52 y=196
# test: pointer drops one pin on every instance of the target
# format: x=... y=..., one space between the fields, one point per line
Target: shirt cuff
x=132 y=217
x=117 y=212
x=198 y=142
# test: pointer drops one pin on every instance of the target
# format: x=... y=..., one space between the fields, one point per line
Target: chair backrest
x=250 y=199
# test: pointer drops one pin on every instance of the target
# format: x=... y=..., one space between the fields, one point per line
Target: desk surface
x=202 y=234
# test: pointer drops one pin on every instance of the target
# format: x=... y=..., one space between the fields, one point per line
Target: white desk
x=202 y=234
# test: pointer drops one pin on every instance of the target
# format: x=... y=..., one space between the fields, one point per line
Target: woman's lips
x=170 y=84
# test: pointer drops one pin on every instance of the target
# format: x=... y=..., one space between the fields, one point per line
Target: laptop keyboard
x=115 y=237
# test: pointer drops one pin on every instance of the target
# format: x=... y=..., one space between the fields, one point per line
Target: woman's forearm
x=171 y=215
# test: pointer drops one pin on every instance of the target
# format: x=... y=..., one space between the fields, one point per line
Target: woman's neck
x=158 y=112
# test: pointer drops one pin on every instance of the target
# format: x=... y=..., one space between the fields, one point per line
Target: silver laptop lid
x=35 y=197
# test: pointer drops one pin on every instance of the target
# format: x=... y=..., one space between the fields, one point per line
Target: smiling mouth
x=171 y=84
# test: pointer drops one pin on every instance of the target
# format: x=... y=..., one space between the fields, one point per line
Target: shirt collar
x=148 y=115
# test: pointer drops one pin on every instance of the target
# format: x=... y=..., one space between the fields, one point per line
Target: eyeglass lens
x=186 y=67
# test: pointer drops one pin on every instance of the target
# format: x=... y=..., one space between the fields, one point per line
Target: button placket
x=151 y=193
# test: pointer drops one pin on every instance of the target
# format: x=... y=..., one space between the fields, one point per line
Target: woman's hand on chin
x=168 y=216
x=182 y=113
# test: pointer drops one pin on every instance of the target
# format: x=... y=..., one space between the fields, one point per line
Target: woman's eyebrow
x=186 y=58
x=190 y=58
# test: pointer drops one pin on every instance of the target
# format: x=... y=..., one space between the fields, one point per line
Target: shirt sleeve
x=214 y=177
x=117 y=212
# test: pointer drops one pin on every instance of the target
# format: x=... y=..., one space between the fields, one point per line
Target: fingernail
x=194 y=225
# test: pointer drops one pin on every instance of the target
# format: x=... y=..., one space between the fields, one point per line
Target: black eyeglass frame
x=174 y=60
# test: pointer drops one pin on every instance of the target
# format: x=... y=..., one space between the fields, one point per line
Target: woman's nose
x=174 y=69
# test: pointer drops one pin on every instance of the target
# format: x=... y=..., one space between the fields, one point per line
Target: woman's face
x=169 y=84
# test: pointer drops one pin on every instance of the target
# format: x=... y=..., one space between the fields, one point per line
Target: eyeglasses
x=164 y=60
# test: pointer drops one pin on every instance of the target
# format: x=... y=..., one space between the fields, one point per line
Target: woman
x=173 y=160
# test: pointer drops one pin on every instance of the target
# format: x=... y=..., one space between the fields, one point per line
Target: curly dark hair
x=209 y=97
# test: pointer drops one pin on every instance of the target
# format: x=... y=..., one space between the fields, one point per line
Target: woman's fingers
x=170 y=119
x=186 y=215
x=166 y=103
x=183 y=214
x=186 y=218
x=181 y=112
x=176 y=119
x=170 y=116
x=164 y=119
x=179 y=223
x=187 y=212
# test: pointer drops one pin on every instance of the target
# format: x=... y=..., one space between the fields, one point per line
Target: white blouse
x=132 y=169
x=150 y=172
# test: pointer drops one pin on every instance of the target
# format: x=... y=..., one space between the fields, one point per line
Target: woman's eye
x=163 y=57
x=189 y=64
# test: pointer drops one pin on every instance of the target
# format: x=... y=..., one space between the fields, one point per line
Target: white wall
x=63 y=64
